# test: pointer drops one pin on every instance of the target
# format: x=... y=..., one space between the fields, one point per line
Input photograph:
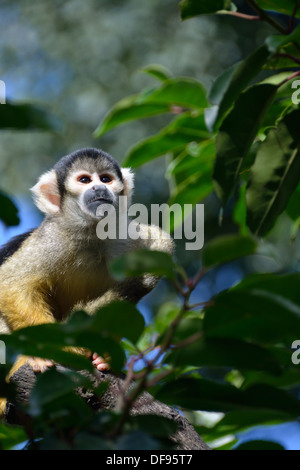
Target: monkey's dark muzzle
x=95 y=197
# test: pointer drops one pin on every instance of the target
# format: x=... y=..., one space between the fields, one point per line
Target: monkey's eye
x=105 y=179
x=84 y=179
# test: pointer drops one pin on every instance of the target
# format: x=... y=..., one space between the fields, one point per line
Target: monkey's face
x=82 y=186
x=94 y=188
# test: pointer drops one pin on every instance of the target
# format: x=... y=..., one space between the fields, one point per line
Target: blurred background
x=77 y=59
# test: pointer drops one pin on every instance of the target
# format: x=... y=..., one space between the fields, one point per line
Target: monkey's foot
x=38 y=364
x=99 y=362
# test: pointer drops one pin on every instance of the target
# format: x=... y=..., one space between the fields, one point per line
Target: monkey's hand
x=99 y=362
x=38 y=364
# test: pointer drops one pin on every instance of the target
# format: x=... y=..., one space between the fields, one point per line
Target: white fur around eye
x=46 y=194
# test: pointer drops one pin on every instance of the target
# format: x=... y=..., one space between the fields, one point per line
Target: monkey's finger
x=99 y=362
x=39 y=365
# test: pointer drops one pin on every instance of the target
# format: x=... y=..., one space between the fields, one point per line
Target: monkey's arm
x=25 y=303
x=21 y=305
x=132 y=289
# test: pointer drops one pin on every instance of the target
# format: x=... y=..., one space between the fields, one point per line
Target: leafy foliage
x=231 y=353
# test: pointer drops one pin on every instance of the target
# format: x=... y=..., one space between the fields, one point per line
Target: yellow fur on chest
x=78 y=286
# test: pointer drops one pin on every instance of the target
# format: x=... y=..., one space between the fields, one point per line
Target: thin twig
x=207 y=303
x=265 y=17
x=292 y=19
x=167 y=341
x=291 y=77
x=243 y=15
x=289 y=56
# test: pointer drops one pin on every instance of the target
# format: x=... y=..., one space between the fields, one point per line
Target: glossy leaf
x=174 y=137
x=8 y=211
x=193 y=190
x=277 y=41
x=26 y=117
x=54 y=395
x=239 y=215
x=196 y=156
x=274 y=175
x=232 y=82
x=139 y=262
x=129 y=109
x=11 y=436
x=202 y=394
x=109 y=321
x=286 y=7
x=241 y=419
x=222 y=352
x=155 y=425
x=158 y=71
x=293 y=207
x=236 y=135
x=190 y=8
x=227 y=248
x=255 y=311
x=184 y=92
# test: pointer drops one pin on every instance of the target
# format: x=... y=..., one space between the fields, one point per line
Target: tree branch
x=265 y=17
x=186 y=438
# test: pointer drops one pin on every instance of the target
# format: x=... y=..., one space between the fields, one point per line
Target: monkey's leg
x=23 y=306
x=2 y=407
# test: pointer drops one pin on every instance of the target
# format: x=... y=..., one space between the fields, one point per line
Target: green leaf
x=126 y=110
x=275 y=42
x=180 y=132
x=190 y=8
x=45 y=341
x=196 y=156
x=239 y=215
x=293 y=208
x=222 y=352
x=236 y=135
x=10 y=436
x=286 y=285
x=53 y=397
x=193 y=189
x=109 y=321
x=274 y=175
x=256 y=311
x=50 y=386
x=232 y=82
x=8 y=210
x=202 y=394
x=259 y=445
x=155 y=425
x=139 y=262
x=236 y=421
x=286 y=7
x=158 y=71
x=100 y=333
x=226 y=248
x=184 y=92
x=27 y=116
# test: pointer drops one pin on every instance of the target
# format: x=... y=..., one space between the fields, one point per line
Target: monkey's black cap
x=64 y=165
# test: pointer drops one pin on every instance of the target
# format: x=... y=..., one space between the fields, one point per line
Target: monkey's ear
x=46 y=193
x=128 y=180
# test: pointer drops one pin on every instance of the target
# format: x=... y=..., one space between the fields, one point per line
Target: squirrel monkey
x=61 y=266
